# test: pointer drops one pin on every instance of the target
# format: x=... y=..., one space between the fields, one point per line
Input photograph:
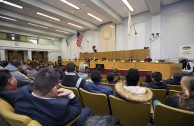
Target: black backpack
x=106 y=120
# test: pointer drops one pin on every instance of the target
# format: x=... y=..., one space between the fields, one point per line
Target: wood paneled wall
x=139 y=54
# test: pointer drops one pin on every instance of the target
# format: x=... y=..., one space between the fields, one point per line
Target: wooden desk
x=77 y=63
x=107 y=64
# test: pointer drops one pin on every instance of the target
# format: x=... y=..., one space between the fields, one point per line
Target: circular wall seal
x=106 y=33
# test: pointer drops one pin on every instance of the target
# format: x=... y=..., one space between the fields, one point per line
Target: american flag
x=79 y=39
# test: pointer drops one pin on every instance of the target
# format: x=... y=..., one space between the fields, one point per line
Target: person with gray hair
x=14 y=67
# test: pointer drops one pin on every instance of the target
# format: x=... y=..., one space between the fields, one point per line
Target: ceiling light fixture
x=91 y=15
x=45 y=15
x=61 y=31
x=8 y=18
x=11 y=4
x=75 y=25
x=70 y=4
x=37 y=25
x=128 y=5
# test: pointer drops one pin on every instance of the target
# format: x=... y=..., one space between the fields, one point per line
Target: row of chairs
x=130 y=113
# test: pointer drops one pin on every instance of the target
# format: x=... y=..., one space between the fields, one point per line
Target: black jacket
x=71 y=80
x=158 y=85
x=172 y=82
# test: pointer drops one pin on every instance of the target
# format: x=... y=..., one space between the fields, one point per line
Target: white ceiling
x=108 y=10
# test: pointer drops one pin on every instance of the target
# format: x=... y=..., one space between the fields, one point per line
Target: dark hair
x=4 y=76
x=96 y=76
x=70 y=67
x=177 y=77
x=157 y=76
x=148 y=78
x=45 y=80
x=34 y=65
x=59 y=73
x=132 y=77
x=110 y=77
x=16 y=63
x=5 y=63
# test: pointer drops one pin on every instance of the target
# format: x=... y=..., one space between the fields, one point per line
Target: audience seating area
x=130 y=113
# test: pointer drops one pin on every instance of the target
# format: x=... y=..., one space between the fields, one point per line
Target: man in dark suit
x=148 y=59
x=47 y=104
x=71 y=79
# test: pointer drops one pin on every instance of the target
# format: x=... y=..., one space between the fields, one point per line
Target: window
x=33 y=40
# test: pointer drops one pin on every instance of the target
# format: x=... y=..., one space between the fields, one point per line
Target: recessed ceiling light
x=61 y=31
x=128 y=5
x=11 y=4
x=91 y=15
x=45 y=15
x=8 y=18
x=37 y=25
x=75 y=25
x=70 y=4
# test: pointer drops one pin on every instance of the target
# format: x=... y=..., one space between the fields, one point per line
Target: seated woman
x=184 y=100
x=8 y=86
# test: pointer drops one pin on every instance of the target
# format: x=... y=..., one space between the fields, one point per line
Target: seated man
x=148 y=59
x=71 y=79
x=132 y=91
x=157 y=83
x=96 y=86
x=111 y=78
x=176 y=78
x=47 y=104
x=8 y=86
x=14 y=67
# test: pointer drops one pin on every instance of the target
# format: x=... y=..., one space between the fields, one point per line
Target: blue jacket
x=98 y=88
x=49 y=112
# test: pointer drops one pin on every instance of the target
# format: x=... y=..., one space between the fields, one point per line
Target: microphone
x=134 y=29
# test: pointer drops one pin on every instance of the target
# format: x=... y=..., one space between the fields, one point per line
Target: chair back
x=110 y=85
x=130 y=113
x=173 y=92
x=7 y=112
x=34 y=123
x=74 y=89
x=96 y=101
x=159 y=94
x=175 y=87
x=168 y=116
